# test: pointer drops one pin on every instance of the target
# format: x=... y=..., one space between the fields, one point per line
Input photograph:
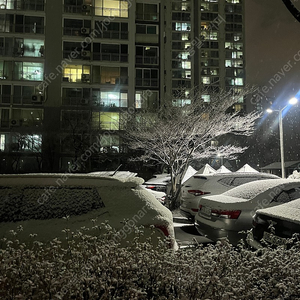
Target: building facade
x=72 y=70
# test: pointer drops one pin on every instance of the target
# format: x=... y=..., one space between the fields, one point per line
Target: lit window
x=228 y=63
x=213 y=35
x=183 y=26
x=109 y=121
x=112 y=8
x=185 y=36
x=74 y=73
x=184 y=55
x=2 y=142
x=181 y=102
x=113 y=99
x=206 y=98
x=146 y=99
x=186 y=64
x=110 y=143
x=206 y=80
x=239 y=81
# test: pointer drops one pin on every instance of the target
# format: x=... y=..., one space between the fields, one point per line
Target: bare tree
x=176 y=135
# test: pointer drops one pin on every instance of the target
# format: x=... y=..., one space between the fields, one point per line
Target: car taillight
x=197 y=192
x=195 y=209
x=151 y=187
x=165 y=231
x=226 y=214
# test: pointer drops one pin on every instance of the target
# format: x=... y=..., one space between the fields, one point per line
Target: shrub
x=89 y=267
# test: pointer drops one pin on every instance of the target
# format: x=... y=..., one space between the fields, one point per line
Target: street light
x=221 y=159
x=292 y=101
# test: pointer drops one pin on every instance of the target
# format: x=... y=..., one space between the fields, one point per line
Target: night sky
x=272 y=40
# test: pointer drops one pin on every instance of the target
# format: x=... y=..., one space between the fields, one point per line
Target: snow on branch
x=175 y=135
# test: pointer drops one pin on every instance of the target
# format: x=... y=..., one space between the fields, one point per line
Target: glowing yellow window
x=109 y=121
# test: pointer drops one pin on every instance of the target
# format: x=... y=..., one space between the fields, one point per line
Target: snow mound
x=295 y=175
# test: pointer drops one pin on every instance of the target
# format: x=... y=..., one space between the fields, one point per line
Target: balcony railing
x=105 y=34
x=94 y=102
x=20 y=28
x=35 y=5
x=147 y=16
x=146 y=82
x=110 y=57
x=147 y=60
x=97 y=11
x=21 y=51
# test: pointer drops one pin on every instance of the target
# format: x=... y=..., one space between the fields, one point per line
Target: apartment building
x=71 y=70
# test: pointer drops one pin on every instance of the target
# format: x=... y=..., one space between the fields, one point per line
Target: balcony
x=21 y=51
x=110 y=57
x=33 y=5
x=147 y=60
x=146 y=82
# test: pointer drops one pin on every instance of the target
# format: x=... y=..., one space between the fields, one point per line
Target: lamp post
x=221 y=159
x=292 y=101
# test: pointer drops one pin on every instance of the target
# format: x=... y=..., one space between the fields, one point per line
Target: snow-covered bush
x=89 y=267
x=295 y=175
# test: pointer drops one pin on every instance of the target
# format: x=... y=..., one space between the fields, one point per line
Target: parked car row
x=200 y=185
x=229 y=215
x=227 y=205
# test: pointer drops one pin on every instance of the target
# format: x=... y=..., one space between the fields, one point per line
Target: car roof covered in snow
x=250 y=190
x=288 y=211
x=81 y=177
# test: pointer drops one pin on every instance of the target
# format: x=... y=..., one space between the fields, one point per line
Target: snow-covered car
x=158 y=182
x=212 y=184
x=41 y=202
x=160 y=196
x=228 y=214
x=276 y=225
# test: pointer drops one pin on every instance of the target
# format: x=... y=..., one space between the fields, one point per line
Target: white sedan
x=227 y=214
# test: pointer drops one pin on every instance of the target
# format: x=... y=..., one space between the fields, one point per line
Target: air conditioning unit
x=37 y=98
x=84 y=101
x=15 y=122
x=85 y=53
x=85 y=77
x=85 y=30
x=85 y=8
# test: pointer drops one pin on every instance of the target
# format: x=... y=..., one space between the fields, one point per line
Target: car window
x=241 y=180
x=34 y=202
x=283 y=197
x=294 y=193
x=287 y=196
x=226 y=181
